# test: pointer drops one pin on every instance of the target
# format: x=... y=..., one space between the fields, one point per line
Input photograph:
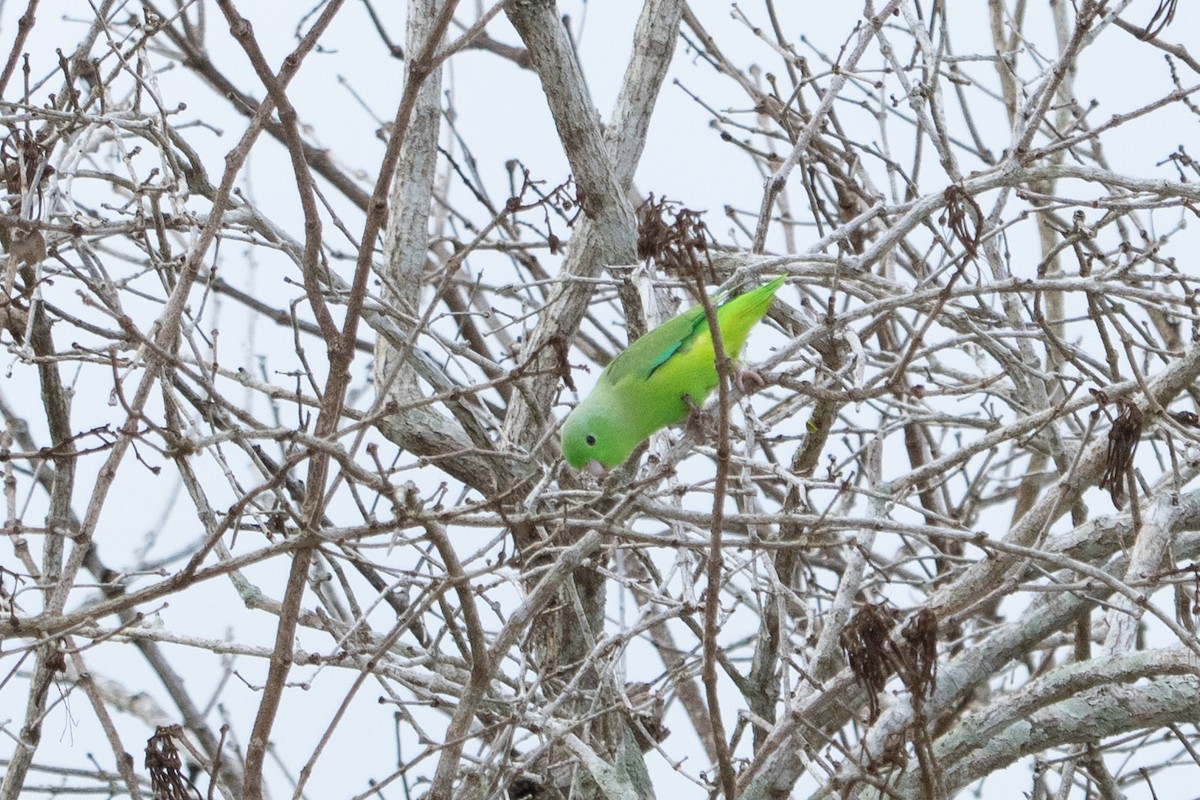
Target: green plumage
x=643 y=388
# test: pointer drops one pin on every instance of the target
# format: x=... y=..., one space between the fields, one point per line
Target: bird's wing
x=651 y=351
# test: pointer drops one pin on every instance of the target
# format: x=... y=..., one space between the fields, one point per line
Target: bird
x=657 y=379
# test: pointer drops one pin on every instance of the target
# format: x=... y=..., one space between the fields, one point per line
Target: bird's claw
x=748 y=381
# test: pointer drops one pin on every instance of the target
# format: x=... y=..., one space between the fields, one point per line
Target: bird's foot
x=748 y=381
x=694 y=420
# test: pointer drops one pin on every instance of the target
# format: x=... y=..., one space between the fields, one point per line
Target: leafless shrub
x=281 y=482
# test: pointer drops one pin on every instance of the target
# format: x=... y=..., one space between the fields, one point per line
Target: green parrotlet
x=649 y=385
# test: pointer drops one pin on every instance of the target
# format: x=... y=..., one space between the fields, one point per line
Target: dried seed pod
x=866 y=643
x=1123 y=439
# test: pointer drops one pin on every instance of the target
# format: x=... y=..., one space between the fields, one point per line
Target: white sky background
x=501 y=114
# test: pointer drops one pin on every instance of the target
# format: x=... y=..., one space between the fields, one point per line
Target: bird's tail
x=738 y=315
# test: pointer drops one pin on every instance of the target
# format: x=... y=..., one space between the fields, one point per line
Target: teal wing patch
x=700 y=323
x=656 y=348
x=737 y=315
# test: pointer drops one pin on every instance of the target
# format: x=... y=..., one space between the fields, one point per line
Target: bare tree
x=312 y=393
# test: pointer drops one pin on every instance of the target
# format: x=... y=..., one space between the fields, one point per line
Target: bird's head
x=592 y=440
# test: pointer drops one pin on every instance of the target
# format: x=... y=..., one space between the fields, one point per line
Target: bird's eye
x=591 y=440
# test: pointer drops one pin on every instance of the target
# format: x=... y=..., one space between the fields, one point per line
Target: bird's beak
x=595 y=469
